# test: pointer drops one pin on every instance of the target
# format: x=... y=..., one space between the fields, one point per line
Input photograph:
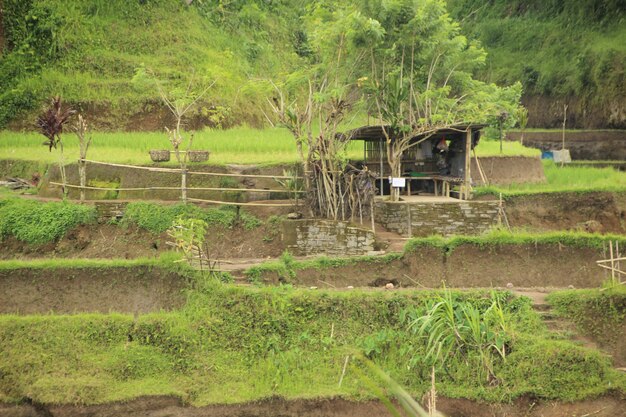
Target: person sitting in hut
x=442 y=161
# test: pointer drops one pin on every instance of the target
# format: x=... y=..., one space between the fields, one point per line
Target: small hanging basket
x=198 y=156
x=160 y=156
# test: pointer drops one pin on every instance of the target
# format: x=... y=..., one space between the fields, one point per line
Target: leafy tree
x=404 y=61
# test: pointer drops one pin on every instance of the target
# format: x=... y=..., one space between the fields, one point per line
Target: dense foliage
x=35 y=222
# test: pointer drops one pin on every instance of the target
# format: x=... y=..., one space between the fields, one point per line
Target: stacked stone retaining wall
x=440 y=218
x=312 y=237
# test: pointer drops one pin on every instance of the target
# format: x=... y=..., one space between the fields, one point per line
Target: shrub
x=158 y=218
x=37 y=223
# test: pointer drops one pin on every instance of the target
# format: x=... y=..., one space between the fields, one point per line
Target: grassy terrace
x=572 y=178
x=241 y=145
x=295 y=345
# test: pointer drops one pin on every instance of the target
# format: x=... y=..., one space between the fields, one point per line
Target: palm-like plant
x=51 y=124
x=52 y=121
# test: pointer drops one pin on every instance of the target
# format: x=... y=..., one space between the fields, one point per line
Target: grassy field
x=565 y=179
x=241 y=145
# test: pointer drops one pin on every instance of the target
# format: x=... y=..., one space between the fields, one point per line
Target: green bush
x=37 y=223
x=157 y=218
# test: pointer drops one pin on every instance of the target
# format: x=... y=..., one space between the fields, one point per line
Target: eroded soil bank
x=133 y=290
x=601 y=145
x=467 y=266
x=96 y=241
x=594 y=212
x=172 y=407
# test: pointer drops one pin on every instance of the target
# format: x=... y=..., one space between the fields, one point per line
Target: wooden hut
x=435 y=164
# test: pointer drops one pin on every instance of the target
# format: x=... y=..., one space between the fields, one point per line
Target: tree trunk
x=396 y=172
x=183 y=185
x=62 y=170
x=82 y=173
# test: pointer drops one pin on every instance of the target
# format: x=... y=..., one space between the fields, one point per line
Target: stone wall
x=438 y=218
x=312 y=237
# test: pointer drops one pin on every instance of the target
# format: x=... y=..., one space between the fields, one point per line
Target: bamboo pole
x=614 y=270
x=468 y=179
x=480 y=169
x=623 y=258
x=234 y=203
x=178 y=171
x=250 y=190
x=612 y=261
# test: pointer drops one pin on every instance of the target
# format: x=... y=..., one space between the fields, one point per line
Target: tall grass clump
x=157 y=218
x=461 y=331
x=37 y=223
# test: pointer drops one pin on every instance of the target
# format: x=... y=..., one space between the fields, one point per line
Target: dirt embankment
x=467 y=266
x=600 y=212
x=599 y=145
x=172 y=407
x=69 y=290
x=582 y=112
x=111 y=241
x=504 y=170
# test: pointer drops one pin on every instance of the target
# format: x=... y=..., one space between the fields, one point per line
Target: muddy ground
x=172 y=407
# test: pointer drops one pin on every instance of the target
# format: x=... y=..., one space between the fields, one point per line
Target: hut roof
x=377 y=132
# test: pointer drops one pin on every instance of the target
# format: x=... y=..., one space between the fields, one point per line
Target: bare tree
x=83 y=147
x=179 y=108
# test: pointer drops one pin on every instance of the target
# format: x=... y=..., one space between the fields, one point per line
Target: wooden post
x=563 y=138
x=183 y=185
x=380 y=152
x=468 y=149
x=82 y=174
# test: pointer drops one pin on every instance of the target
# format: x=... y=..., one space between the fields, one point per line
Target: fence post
x=183 y=185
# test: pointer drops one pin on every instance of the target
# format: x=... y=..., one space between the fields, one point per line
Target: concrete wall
x=440 y=218
x=312 y=237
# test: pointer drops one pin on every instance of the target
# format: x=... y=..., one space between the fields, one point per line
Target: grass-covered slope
x=89 y=51
x=562 y=51
x=294 y=345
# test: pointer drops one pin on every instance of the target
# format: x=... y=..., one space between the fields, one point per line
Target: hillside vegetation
x=563 y=52
x=89 y=51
